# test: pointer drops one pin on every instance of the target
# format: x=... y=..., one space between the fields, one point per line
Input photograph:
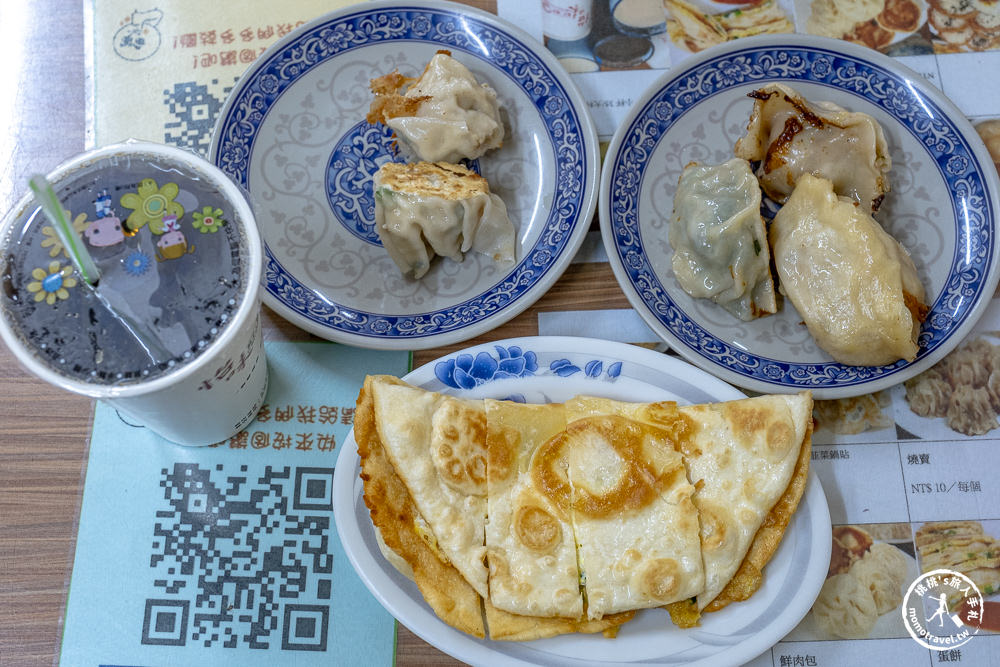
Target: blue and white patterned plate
x=942 y=207
x=552 y=369
x=293 y=133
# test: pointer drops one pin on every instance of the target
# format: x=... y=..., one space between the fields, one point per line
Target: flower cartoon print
x=150 y=203
x=208 y=220
x=52 y=284
x=51 y=239
x=137 y=263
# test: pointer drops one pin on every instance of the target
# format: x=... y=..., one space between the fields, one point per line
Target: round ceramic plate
x=942 y=206
x=293 y=133
x=552 y=369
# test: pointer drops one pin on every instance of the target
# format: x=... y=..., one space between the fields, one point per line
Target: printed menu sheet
x=618 y=48
x=228 y=554
x=907 y=471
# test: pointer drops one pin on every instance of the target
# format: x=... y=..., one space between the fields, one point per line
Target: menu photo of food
x=896 y=27
x=862 y=418
x=696 y=26
x=906 y=27
x=971 y=548
x=989 y=131
x=871 y=566
x=961 y=393
x=606 y=35
x=959 y=26
x=958 y=395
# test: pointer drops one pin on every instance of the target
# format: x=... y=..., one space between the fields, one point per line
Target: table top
x=40 y=489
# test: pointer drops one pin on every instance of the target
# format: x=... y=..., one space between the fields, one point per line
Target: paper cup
x=567 y=20
x=205 y=394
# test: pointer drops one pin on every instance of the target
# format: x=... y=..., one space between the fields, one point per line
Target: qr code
x=242 y=558
x=194 y=108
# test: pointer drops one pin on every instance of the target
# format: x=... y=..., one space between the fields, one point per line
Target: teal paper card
x=228 y=554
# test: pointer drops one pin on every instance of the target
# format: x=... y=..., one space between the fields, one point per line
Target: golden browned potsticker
x=791 y=136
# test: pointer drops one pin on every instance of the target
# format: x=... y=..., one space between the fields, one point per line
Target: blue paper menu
x=228 y=554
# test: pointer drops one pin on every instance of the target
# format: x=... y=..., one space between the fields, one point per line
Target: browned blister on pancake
x=458 y=448
x=749 y=576
x=436 y=444
x=750 y=450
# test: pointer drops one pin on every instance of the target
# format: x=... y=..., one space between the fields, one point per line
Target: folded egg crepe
x=636 y=525
x=401 y=526
x=535 y=520
x=529 y=539
x=414 y=443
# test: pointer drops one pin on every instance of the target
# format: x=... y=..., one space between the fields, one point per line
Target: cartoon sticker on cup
x=104 y=232
x=107 y=229
x=149 y=337
x=172 y=244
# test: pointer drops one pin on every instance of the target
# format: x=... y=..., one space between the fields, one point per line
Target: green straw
x=78 y=253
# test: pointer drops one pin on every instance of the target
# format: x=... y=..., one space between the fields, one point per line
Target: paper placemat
x=177 y=62
x=228 y=554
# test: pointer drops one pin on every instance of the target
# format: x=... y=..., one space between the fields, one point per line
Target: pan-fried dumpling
x=444 y=116
x=791 y=136
x=853 y=284
x=719 y=240
x=427 y=209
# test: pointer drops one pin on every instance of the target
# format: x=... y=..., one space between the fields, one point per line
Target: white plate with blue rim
x=551 y=369
x=293 y=134
x=942 y=206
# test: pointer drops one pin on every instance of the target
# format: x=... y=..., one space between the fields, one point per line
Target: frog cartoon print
x=172 y=243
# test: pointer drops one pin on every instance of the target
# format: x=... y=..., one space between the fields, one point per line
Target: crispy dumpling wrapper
x=791 y=136
x=423 y=210
x=444 y=116
x=853 y=284
x=719 y=239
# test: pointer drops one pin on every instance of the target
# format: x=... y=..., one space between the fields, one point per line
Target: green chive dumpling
x=719 y=239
